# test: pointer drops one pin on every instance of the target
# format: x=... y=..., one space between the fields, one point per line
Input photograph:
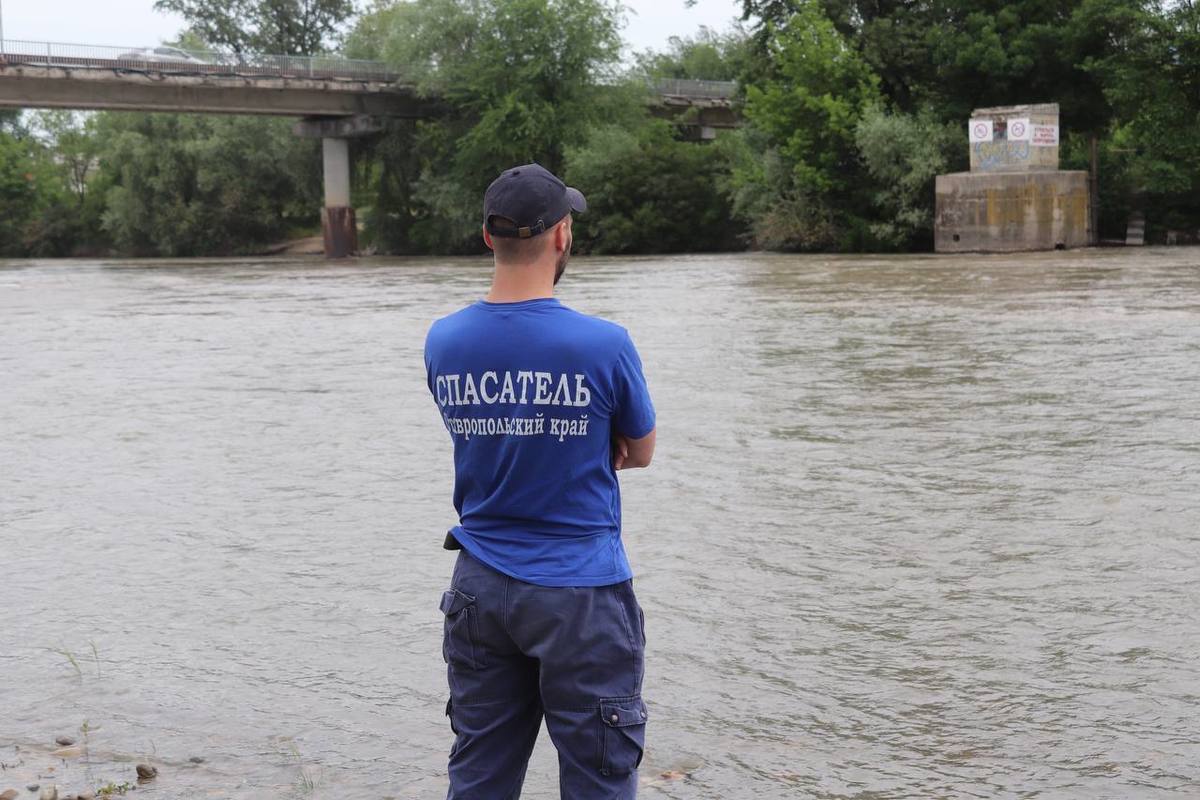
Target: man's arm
x=633 y=453
x=634 y=412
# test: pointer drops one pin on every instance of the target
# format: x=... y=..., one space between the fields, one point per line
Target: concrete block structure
x=1014 y=138
x=1015 y=197
x=1011 y=211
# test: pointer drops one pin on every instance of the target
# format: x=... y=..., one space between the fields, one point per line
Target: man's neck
x=516 y=284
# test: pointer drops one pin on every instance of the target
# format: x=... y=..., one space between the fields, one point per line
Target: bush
x=648 y=192
x=904 y=153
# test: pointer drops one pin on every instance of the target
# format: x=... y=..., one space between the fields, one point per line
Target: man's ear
x=562 y=233
x=487 y=238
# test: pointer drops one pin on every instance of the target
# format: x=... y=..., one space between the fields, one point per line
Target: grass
x=306 y=783
x=73 y=660
x=70 y=657
x=114 y=789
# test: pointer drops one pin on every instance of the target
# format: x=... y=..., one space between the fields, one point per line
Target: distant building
x=1015 y=197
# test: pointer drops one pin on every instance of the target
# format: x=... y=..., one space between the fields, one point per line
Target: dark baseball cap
x=526 y=201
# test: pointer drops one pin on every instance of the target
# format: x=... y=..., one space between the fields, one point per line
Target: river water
x=917 y=527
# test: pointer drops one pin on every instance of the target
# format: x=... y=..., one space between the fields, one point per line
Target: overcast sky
x=135 y=23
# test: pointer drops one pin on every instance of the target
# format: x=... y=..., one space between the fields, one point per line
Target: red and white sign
x=1019 y=130
x=1045 y=135
x=980 y=130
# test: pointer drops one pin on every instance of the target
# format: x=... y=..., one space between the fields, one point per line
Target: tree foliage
x=182 y=184
x=707 y=55
x=649 y=192
x=903 y=154
x=281 y=27
x=804 y=115
x=1151 y=158
x=520 y=80
x=1124 y=71
x=39 y=215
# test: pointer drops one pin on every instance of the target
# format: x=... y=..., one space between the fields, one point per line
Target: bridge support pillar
x=338 y=226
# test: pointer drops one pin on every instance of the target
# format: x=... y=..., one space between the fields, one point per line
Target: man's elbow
x=638 y=462
x=641 y=451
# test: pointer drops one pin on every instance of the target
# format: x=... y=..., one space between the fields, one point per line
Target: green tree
x=19 y=194
x=182 y=185
x=280 y=27
x=70 y=224
x=808 y=191
x=38 y=215
x=10 y=121
x=708 y=55
x=520 y=81
x=1150 y=162
x=903 y=154
x=1122 y=71
x=71 y=136
x=649 y=192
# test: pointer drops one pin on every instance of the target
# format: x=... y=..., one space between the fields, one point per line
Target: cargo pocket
x=623 y=732
x=460 y=640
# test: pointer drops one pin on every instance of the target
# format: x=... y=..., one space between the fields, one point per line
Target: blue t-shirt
x=531 y=394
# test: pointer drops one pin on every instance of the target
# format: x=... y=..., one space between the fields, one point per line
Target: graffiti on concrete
x=998 y=155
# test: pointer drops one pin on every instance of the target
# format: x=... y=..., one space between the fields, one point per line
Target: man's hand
x=632 y=453
x=620 y=451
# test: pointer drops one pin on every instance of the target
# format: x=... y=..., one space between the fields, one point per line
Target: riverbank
x=69 y=768
x=78 y=771
x=304 y=246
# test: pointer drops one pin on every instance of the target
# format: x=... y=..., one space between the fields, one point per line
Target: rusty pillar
x=339 y=231
x=338 y=227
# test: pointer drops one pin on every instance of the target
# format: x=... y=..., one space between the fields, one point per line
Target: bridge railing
x=181 y=61
x=716 y=90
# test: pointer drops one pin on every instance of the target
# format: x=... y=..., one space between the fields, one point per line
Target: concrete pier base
x=979 y=212
x=339 y=232
x=338 y=227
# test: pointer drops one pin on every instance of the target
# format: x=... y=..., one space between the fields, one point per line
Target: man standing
x=544 y=405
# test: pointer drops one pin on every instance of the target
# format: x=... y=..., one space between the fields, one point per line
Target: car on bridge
x=158 y=55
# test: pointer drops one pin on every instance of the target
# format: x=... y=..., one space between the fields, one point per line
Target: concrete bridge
x=337 y=99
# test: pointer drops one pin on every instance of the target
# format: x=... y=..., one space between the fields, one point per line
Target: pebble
x=33 y=787
x=146 y=772
x=65 y=741
x=196 y=759
x=86 y=795
x=8 y=794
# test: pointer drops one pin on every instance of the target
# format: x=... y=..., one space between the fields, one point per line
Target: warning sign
x=980 y=130
x=1045 y=135
x=1019 y=130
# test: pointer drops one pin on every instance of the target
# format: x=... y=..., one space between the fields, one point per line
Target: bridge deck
x=124 y=90
x=164 y=78
x=178 y=61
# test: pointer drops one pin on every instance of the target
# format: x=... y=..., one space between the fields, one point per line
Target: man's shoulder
x=450 y=322
x=569 y=324
x=602 y=329
x=456 y=316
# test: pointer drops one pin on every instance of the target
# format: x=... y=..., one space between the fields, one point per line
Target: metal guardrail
x=716 y=90
x=180 y=61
